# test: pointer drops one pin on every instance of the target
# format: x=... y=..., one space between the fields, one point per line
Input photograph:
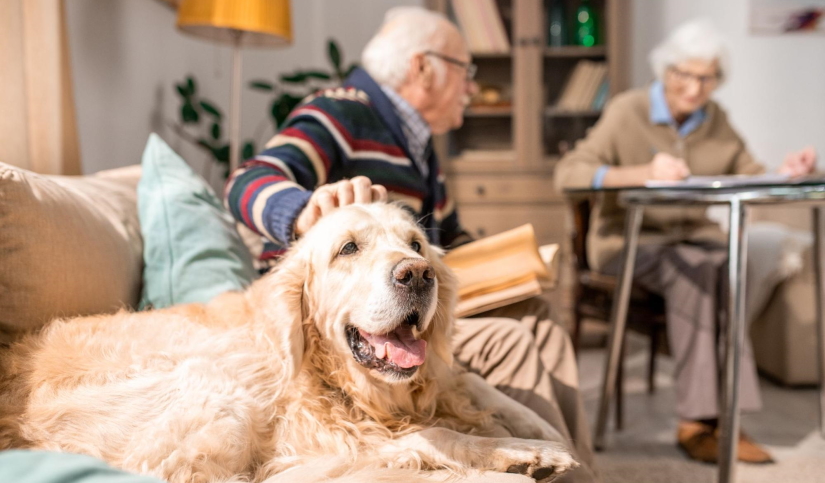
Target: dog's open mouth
x=397 y=352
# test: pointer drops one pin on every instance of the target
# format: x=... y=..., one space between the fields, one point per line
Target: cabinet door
x=507 y=188
x=549 y=221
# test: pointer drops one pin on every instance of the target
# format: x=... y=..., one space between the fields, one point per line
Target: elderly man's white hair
x=695 y=39
x=406 y=31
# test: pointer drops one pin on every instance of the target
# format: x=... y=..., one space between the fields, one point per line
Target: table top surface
x=719 y=184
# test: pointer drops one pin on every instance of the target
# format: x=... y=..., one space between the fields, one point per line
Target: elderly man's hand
x=665 y=167
x=331 y=196
x=799 y=163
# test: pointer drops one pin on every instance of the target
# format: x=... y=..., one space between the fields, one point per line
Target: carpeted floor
x=645 y=451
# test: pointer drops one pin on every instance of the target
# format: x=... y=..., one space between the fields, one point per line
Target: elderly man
x=371 y=140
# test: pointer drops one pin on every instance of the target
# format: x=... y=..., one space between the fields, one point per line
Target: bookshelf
x=499 y=164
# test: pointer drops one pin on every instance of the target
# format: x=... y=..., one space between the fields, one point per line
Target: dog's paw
x=541 y=460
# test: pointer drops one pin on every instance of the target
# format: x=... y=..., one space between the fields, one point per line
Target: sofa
x=72 y=246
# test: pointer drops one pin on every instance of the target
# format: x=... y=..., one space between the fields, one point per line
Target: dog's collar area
x=364 y=353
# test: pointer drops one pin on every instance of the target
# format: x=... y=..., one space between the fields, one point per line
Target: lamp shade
x=258 y=23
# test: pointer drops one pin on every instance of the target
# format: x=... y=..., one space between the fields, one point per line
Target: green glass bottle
x=586 y=25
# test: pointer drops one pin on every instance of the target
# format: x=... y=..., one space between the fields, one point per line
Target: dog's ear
x=441 y=327
x=280 y=307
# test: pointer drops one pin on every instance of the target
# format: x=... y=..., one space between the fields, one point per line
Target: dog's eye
x=348 y=249
x=416 y=246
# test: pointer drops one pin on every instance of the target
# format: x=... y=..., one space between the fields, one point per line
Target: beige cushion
x=784 y=336
x=68 y=246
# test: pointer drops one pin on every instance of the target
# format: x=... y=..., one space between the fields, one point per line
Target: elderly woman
x=669 y=131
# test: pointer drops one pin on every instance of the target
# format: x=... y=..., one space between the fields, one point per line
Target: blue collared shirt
x=660 y=114
x=415 y=128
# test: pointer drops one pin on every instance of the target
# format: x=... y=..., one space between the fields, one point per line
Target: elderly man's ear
x=421 y=71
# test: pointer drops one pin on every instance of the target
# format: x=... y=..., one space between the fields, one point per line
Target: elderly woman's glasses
x=705 y=81
x=471 y=68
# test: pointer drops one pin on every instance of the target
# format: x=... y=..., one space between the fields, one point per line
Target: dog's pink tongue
x=399 y=347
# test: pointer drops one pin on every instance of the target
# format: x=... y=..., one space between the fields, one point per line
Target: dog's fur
x=256 y=384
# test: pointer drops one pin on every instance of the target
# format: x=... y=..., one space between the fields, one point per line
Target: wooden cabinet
x=499 y=164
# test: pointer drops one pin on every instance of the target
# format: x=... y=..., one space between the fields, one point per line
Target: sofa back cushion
x=68 y=246
x=192 y=250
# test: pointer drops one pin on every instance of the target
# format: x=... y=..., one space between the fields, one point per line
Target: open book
x=501 y=269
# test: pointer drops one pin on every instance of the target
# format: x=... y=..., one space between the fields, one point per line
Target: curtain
x=37 y=116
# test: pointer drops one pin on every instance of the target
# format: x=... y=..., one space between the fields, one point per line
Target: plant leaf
x=351 y=68
x=221 y=153
x=296 y=78
x=282 y=106
x=317 y=74
x=204 y=144
x=190 y=83
x=248 y=150
x=334 y=54
x=182 y=90
x=216 y=131
x=188 y=114
x=211 y=109
x=261 y=85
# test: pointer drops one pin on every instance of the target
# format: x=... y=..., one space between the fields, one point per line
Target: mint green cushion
x=191 y=249
x=46 y=467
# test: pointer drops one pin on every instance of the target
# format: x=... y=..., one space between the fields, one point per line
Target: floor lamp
x=258 y=23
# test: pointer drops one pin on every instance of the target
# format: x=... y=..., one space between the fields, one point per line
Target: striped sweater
x=338 y=134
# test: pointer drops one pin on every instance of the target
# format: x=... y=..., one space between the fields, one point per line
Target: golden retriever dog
x=337 y=362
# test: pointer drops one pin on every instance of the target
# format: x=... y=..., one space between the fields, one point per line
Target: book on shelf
x=482 y=26
x=501 y=269
x=601 y=95
x=583 y=86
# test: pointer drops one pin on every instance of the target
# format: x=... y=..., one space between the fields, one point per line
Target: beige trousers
x=692 y=278
x=522 y=352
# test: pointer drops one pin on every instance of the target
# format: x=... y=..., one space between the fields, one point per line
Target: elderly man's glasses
x=705 y=81
x=471 y=68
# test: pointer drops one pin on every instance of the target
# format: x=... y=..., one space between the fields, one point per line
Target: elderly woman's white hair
x=406 y=31
x=696 y=39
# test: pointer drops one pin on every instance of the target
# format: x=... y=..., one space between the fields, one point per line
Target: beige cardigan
x=624 y=136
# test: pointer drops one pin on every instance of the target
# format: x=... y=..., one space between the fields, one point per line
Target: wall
x=127 y=55
x=775 y=96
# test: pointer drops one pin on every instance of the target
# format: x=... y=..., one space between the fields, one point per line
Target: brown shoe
x=750 y=452
x=701 y=443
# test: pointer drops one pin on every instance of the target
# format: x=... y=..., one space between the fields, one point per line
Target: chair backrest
x=581 y=223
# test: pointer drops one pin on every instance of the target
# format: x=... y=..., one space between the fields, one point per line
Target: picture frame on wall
x=787 y=17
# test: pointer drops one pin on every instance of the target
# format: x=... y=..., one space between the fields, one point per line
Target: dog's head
x=377 y=293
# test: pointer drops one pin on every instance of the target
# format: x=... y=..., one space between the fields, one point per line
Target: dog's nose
x=415 y=274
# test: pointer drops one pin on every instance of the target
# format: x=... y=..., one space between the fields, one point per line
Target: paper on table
x=721 y=181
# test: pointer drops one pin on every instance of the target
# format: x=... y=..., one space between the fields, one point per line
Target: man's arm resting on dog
x=268 y=192
x=281 y=192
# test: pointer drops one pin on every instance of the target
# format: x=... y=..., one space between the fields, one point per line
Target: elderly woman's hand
x=799 y=163
x=665 y=167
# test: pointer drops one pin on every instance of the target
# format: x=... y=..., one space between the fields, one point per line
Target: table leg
x=819 y=270
x=618 y=318
x=734 y=339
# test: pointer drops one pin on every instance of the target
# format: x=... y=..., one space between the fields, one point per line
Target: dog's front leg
x=519 y=420
x=445 y=448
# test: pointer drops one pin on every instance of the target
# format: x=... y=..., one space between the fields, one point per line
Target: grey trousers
x=522 y=352
x=692 y=278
